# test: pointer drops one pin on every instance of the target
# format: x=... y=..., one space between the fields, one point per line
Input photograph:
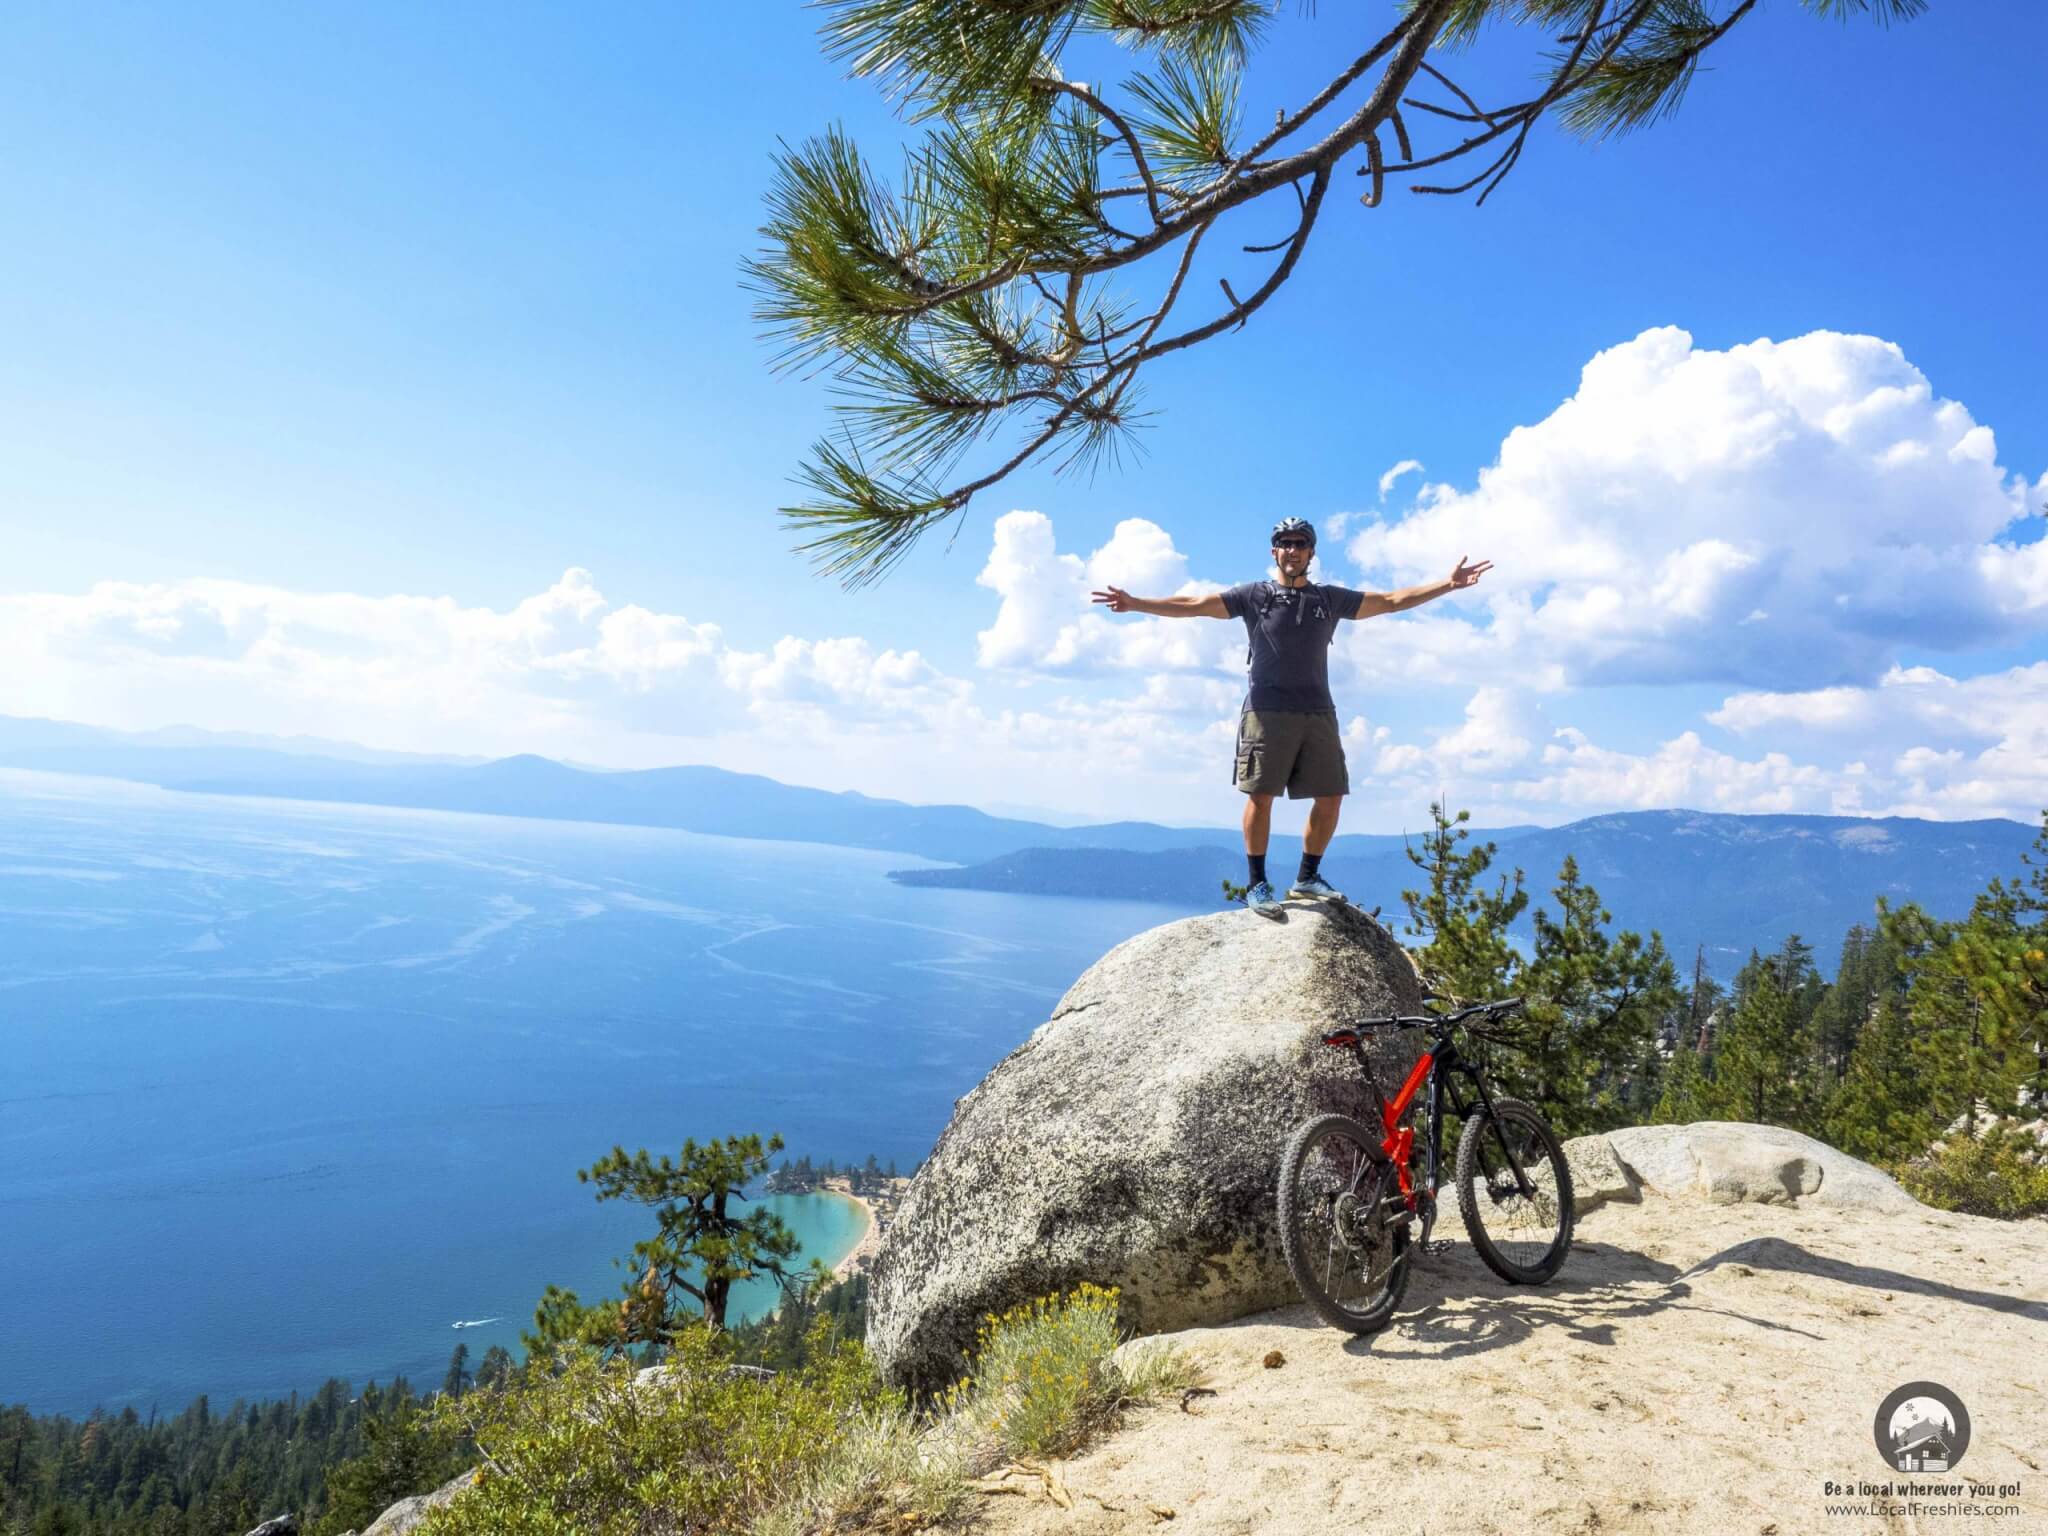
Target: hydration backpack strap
x=1258 y=620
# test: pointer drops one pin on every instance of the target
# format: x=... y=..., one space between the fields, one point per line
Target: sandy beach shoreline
x=862 y=1252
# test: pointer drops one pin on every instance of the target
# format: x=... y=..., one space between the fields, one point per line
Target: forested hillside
x=1916 y=1024
x=206 y=1472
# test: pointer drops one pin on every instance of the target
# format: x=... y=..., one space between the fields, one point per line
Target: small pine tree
x=458 y=1379
x=496 y=1365
x=1842 y=1012
x=1596 y=1005
x=1465 y=952
x=1688 y=1091
x=1756 y=1064
x=702 y=1246
x=1882 y=1109
x=1961 y=1045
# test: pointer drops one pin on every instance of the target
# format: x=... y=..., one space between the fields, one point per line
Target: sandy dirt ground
x=1693 y=1368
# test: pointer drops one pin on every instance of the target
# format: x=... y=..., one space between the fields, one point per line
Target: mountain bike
x=1353 y=1209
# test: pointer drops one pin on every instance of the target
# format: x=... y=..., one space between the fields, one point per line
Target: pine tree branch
x=1103 y=109
x=1414 y=33
x=1180 y=276
x=1325 y=96
x=1238 y=313
x=918 y=297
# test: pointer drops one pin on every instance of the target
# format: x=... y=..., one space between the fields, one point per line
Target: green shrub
x=404 y=1453
x=886 y=1471
x=2001 y=1173
x=1042 y=1378
x=585 y=1450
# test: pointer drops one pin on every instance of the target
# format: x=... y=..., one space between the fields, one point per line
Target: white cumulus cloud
x=1779 y=513
x=1048 y=623
x=556 y=670
x=1944 y=746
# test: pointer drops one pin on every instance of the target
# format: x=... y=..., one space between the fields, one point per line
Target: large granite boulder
x=1730 y=1162
x=1134 y=1140
x=1597 y=1174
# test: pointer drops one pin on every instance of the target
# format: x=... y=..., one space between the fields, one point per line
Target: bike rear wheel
x=1337 y=1196
x=1522 y=1235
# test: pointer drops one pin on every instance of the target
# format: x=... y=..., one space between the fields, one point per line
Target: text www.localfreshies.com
x=1920 y=1508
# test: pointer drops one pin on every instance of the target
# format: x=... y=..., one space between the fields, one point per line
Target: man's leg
x=1263 y=767
x=1324 y=781
x=1258 y=828
x=1322 y=824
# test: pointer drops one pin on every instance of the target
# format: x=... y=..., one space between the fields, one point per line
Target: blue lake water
x=288 y=1090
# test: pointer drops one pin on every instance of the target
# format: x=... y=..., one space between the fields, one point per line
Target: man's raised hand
x=1118 y=600
x=1467 y=573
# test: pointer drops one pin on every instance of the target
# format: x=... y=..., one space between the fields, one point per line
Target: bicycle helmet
x=1296 y=527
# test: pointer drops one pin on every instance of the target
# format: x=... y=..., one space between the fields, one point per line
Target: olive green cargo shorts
x=1296 y=751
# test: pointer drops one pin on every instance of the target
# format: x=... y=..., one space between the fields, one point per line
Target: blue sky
x=332 y=337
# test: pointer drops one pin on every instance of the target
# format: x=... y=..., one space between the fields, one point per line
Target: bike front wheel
x=1340 y=1230
x=1522 y=1226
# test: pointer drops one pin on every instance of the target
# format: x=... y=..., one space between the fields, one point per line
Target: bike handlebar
x=1495 y=1010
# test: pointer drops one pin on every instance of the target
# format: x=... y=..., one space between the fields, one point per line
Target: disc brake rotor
x=1360 y=1223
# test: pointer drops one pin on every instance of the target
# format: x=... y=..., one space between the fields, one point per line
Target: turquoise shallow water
x=288 y=1090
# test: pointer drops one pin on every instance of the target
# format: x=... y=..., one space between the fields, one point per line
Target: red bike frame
x=1434 y=1067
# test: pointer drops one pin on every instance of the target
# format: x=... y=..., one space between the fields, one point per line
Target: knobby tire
x=1315 y=1172
x=1489 y=1199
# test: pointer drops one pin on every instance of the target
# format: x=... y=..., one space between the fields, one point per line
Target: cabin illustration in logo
x=1922 y=1434
x=1921 y=1427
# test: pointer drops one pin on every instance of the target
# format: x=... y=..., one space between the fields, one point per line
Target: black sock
x=1310 y=863
x=1258 y=864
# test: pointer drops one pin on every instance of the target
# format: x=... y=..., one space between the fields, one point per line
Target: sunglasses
x=1292 y=544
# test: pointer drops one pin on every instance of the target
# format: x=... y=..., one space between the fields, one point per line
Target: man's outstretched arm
x=1464 y=575
x=1120 y=601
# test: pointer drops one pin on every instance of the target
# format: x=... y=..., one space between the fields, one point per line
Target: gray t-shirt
x=1290 y=630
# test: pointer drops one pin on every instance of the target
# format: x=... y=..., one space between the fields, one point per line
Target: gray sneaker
x=1260 y=898
x=1316 y=888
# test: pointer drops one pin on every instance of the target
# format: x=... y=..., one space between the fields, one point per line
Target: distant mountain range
x=693 y=799
x=1729 y=883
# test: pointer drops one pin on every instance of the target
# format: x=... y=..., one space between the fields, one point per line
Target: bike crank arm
x=1424 y=1209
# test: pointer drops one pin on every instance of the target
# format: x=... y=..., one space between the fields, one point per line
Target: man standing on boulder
x=1287 y=735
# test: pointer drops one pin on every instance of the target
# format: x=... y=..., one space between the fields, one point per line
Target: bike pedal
x=1437 y=1245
